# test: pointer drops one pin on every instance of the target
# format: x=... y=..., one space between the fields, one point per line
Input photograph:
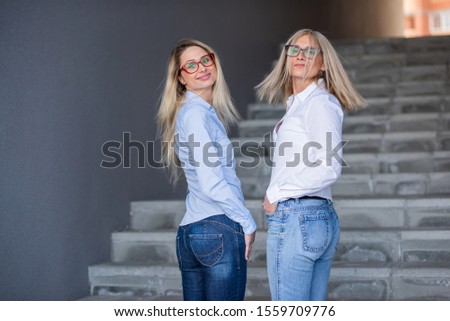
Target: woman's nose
x=201 y=68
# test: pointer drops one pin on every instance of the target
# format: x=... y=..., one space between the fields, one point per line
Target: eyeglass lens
x=294 y=51
x=192 y=66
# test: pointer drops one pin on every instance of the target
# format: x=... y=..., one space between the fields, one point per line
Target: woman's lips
x=204 y=77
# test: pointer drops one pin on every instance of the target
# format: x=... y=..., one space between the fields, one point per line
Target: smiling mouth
x=204 y=77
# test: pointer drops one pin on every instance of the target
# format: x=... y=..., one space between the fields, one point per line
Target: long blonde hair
x=173 y=96
x=277 y=86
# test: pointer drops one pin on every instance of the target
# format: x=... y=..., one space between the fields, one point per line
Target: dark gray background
x=75 y=74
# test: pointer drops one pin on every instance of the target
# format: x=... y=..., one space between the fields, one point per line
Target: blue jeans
x=301 y=242
x=211 y=257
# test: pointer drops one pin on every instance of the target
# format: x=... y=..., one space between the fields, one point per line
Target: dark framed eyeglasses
x=192 y=66
x=294 y=51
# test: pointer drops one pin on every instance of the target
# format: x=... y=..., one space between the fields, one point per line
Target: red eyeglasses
x=192 y=66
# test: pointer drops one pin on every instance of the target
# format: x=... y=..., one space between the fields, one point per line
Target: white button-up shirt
x=307 y=155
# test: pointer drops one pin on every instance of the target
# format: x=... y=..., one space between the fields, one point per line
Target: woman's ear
x=180 y=79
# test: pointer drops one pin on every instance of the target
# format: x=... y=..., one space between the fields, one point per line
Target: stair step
x=134 y=280
x=376 y=106
x=392 y=45
x=397 y=162
x=404 y=105
x=397 y=142
x=427 y=141
x=107 y=295
x=363 y=163
x=398 y=281
x=422 y=162
x=365 y=184
x=157 y=247
x=395 y=281
x=409 y=88
x=394 y=61
x=365 y=62
x=394 y=213
x=364 y=124
x=394 y=74
x=363 y=245
x=397 y=123
x=386 y=212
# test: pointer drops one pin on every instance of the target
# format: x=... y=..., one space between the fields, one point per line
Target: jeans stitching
x=200 y=257
x=236 y=253
x=280 y=244
x=224 y=225
x=302 y=221
x=193 y=269
x=280 y=225
x=180 y=262
x=325 y=207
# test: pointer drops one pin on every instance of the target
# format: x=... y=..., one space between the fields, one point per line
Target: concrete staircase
x=393 y=199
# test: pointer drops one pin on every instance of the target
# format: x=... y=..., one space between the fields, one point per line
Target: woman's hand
x=249 y=239
x=268 y=207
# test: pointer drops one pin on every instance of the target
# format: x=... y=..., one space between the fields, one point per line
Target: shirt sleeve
x=204 y=157
x=323 y=122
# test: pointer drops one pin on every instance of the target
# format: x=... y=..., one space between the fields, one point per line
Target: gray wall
x=75 y=74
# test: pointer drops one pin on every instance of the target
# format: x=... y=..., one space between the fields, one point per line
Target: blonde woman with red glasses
x=216 y=234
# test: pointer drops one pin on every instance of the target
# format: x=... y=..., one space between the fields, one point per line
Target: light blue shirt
x=207 y=158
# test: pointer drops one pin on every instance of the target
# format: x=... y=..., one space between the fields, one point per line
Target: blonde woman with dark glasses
x=303 y=227
x=216 y=234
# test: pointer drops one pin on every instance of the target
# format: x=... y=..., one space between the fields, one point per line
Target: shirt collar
x=191 y=96
x=305 y=93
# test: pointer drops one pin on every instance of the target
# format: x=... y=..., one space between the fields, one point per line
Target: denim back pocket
x=315 y=227
x=207 y=248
